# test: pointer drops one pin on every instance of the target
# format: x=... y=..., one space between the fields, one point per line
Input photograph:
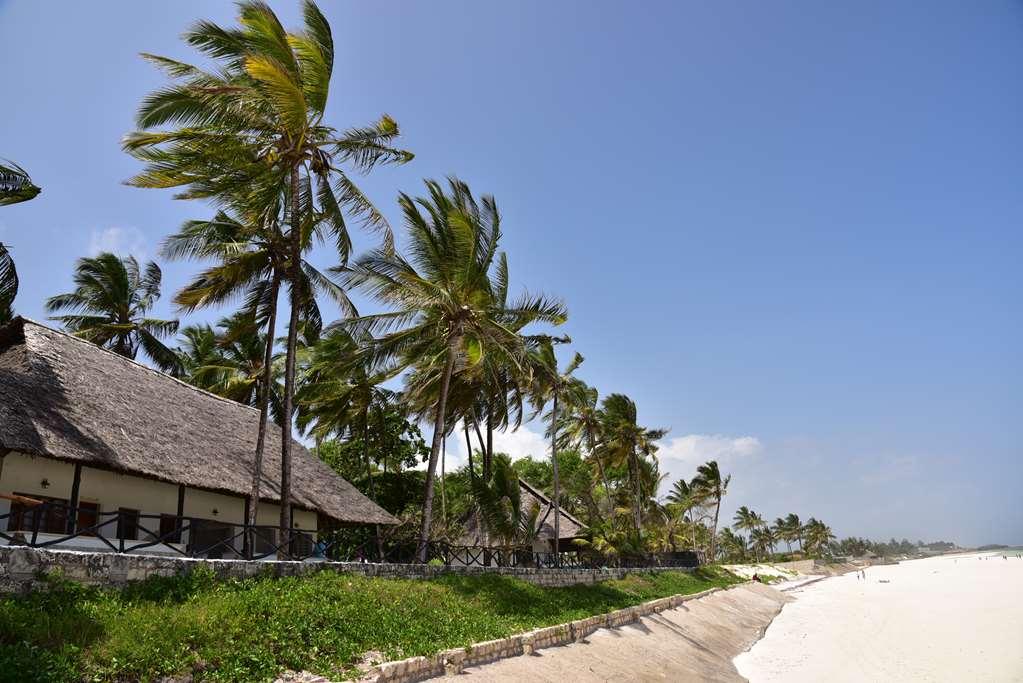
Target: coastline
x=944 y=618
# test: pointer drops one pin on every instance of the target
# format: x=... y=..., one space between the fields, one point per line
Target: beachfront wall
x=23 y=569
x=110 y=491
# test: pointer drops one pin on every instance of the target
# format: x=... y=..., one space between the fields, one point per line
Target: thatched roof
x=531 y=498
x=65 y=398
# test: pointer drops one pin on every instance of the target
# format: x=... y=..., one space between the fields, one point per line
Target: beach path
x=693 y=642
x=949 y=618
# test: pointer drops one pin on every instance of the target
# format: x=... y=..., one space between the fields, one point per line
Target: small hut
x=531 y=499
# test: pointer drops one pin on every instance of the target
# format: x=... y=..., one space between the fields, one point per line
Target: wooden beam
x=76 y=483
x=181 y=510
x=247 y=536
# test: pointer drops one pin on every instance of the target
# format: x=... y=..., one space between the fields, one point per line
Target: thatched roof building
x=532 y=498
x=67 y=399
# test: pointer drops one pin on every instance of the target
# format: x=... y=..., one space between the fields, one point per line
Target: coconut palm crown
x=15 y=187
x=445 y=303
x=110 y=307
x=256 y=126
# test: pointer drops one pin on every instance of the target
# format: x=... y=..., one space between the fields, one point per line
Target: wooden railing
x=297 y=544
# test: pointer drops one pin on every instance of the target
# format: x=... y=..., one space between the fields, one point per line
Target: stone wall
x=799 y=566
x=22 y=569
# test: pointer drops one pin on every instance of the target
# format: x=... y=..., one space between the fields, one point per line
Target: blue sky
x=790 y=231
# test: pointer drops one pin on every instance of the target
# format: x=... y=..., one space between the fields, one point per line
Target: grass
x=253 y=629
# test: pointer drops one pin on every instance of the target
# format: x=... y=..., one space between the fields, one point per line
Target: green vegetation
x=253 y=629
x=15 y=187
x=110 y=307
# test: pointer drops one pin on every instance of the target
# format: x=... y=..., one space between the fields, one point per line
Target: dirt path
x=694 y=642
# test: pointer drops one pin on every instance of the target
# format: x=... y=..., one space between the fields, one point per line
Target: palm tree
x=732 y=545
x=255 y=127
x=818 y=535
x=625 y=441
x=500 y=502
x=745 y=519
x=549 y=383
x=15 y=184
x=250 y=257
x=197 y=351
x=763 y=540
x=686 y=496
x=788 y=529
x=345 y=399
x=8 y=284
x=444 y=313
x=751 y=522
x=794 y=528
x=110 y=304
x=712 y=487
x=242 y=367
x=15 y=187
x=581 y=423
x=781 y=532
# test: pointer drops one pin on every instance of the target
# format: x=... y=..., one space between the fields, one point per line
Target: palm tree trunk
x=489 y=462
x=443 y=476
x=468 y=446
x=264 y=410
x=439 y=429
x=557 y=483
x=372 y=487
x=289 y=366
x=481 y=528
x=603 y=478
x=483 y=446
x=714 y=530
x=692 y=526
x=637 y=513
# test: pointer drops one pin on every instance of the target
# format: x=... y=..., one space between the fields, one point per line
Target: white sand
x=939 y=619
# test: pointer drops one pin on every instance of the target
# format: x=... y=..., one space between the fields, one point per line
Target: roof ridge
x=132 y=361
x=550 y=504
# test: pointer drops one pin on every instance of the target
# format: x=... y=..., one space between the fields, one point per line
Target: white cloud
x=518 y=444
x=679 y=457
x=696 y=449
x=127 y=241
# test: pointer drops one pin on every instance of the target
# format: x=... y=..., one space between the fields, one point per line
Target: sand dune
x=939 y=619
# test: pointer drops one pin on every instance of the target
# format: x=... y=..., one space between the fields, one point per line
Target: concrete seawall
x=22 y=569
x=681 y=638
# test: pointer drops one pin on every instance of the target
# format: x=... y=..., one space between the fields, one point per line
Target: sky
x=790 y=231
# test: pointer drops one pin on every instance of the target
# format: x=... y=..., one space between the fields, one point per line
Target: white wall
x=24 y=474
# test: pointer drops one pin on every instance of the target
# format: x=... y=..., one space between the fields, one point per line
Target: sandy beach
x=940 y=619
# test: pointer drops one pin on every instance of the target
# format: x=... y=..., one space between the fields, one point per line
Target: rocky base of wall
x=22 y=569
